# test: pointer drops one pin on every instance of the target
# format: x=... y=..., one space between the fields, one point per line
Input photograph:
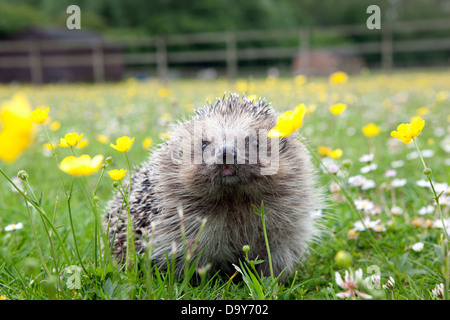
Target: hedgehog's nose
x=228 y=154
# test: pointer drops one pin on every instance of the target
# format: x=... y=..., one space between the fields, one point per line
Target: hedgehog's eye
x=204 y=144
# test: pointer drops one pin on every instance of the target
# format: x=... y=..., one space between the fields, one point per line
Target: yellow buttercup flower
x=328 y=152
x=70 y=140
x=241 y=85
x=164 y=135
x=102 y=138
x=338 y=108
x=310 y=109
x=82 y=144
x=81 y=166
x=408 y=131
x=16 y=127
x=147 y=142
x=371 y=130
x=423 y=111
x=48 y=146
x=55 y=125
x=324 y=151
x=288 y=122
x=338 y=77
x=117 y=175
x=441 y=96
x=336 y=154
x=39 y=116
x=123 y=144
x=163 y=92
x=300 y=80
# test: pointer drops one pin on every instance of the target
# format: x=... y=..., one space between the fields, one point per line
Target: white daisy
x=13 y=227
x=397 y=183
x=369 y=184
x=426 y=209
x=396 y=210
x=367 y=157
x=369 y=224
x=369 y=168
x=390 y=173
x=427 y=153
x=417 y=247
x=397 y=164
x=364 y=205
x=357 y=180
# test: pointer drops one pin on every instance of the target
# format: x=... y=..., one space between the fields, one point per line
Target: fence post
x=98 y=62
x=35 y=63
x=386 y=48
x=161 y=58
x=304 y=50
x=231 y=56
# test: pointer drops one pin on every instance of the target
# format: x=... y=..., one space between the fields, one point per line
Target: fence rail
x=35 y=55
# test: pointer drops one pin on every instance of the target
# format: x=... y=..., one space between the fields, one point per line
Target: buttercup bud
x=115 y=184
x=108 y=160
x=343 y=259
x=246 y=248
x=427 y=171
x=347 y=163
x=22 y=174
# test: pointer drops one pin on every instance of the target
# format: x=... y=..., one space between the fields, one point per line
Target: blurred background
x=220 y=38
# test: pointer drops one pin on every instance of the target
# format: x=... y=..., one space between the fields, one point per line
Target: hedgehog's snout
x=227 y=155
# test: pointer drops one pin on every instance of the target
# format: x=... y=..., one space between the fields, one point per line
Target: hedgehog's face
x=227 y=150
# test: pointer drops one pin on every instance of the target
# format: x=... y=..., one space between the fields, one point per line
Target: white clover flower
x=396 y=210
x=439 y=224
x=397 y=164
x=376 y=210
x=390 y=173
x=13 y=227
x=390 y=284
x=374 y=281
x=427 y=153
x=350 y=284
x=333 y=168
x=426 y=209
x=417 y=247
x=423 y=183
x=334 y=187
x=368 y=184
x=444 y=200
x=357 y=180
x=397 y=183
x=369 y=168
x=440 y=187
x=438 y=291
x=445 y=144
x=412 y=155
x=366 y=157
x=439 y=132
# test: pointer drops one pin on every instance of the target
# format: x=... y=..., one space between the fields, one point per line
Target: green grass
x=139 y=109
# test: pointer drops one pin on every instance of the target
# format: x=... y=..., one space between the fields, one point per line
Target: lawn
x=381 y=215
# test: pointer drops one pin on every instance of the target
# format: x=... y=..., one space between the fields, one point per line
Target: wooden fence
x=160 y=54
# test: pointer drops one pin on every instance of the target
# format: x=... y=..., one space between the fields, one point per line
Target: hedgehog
x=203 y=184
